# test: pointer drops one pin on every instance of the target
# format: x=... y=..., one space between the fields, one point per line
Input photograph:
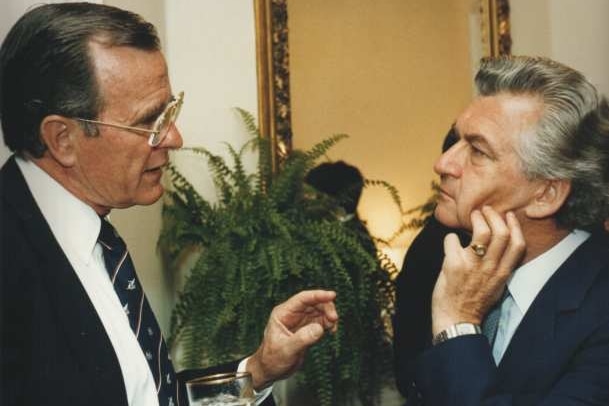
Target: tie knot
x=108 y=235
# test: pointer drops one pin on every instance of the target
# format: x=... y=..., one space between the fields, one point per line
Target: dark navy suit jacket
x=54 y=349
x=558 y=356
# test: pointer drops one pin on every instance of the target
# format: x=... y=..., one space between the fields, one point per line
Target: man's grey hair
x=571 y=139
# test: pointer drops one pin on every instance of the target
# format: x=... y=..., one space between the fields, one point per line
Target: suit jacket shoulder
x=52 y=338
x=54 y=348
x=559 y=354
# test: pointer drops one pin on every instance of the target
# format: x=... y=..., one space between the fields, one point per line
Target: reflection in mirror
x=391 y=74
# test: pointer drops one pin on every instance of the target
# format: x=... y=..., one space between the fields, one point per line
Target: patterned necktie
x=138 y=311
x=491 y=322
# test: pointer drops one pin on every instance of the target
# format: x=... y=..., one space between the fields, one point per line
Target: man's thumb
x=310 y=334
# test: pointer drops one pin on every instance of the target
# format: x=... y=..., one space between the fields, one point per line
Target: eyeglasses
x=161 y=126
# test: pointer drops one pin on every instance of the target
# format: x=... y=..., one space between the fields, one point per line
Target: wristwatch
x=456 y=330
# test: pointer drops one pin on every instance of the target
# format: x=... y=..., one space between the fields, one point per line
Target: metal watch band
x=456 y=330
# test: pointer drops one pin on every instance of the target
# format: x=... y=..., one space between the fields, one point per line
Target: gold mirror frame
x=495 y=27
x=272 y=54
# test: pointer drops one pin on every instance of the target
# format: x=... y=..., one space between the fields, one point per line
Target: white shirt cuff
x=264 y=393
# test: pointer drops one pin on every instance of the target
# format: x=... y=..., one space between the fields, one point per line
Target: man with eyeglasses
x=87 y=109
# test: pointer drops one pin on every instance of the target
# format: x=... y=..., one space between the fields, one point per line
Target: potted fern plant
x=267 y=237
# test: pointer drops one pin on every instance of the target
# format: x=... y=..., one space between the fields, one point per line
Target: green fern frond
x=249 y=121
x=393 y=191
x=265 y=163
x=322 y=147
x=264 y=240
x=221 y=172
x=239 y=178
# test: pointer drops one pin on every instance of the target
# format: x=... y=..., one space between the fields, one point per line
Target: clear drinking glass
x=230 y=389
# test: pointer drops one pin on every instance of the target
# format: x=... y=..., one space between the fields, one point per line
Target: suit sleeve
x=461 y=371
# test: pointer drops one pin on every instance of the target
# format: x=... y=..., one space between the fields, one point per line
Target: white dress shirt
x=76 y=227
x=525 y=284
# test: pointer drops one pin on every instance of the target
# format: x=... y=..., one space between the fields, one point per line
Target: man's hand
x=293 y=327
x=469 y=284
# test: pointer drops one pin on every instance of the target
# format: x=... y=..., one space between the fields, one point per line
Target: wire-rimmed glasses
x=161 y=126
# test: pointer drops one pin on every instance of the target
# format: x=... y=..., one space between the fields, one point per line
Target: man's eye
x=147 y=122
x=478 y=152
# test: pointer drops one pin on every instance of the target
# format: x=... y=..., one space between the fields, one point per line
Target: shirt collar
x=528 y=280
x=74 y=223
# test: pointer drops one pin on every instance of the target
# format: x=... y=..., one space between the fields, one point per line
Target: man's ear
x=549 y=198
x=59 y=135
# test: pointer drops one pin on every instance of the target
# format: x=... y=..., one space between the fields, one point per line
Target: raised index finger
x=321 y=300
x=500 y=234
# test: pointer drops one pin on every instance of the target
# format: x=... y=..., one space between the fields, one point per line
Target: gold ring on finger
x=479 y=249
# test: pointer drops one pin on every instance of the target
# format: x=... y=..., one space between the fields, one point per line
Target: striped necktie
x=141 y=318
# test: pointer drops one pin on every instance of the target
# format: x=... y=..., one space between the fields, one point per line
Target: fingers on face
x=451 y=243
x=516 y=246
x=499 y=233
x=481 y=231
x=503 y=237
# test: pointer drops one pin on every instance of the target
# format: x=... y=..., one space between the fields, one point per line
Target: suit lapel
x=545 y=333
x=84 y=332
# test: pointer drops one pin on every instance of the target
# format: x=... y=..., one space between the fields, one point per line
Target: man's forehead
x=501 y=115
x=118 y=62
x=127 y=75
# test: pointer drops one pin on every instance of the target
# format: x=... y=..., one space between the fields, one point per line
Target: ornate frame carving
x=495 y=17
x=273 y=64
x=273 y=76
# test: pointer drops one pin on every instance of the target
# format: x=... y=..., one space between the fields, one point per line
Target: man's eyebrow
x=151 y=113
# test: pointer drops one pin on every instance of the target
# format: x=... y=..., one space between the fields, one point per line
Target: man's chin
x=150 y=196
x=447 y=218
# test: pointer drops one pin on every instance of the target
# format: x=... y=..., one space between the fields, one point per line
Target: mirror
x=490 y=36
x=392 y=74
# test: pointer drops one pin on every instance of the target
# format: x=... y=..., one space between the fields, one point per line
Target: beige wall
x=570 y=31
x=210 y=51
x=210 y=47
x=580 y=37
x=393 y=75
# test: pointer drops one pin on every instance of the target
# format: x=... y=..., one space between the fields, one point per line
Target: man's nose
x=449 y=163
x=173 y=140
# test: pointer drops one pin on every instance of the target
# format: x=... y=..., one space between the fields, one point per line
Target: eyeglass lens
x=166 y=120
